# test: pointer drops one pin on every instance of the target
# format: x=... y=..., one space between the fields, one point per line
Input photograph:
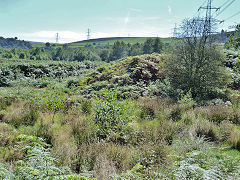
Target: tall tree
x=196 y=63
x=157 y=45
x=120 y=50
x=234 y=39
x=148 y=46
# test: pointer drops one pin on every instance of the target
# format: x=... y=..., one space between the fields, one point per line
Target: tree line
x=108 y=53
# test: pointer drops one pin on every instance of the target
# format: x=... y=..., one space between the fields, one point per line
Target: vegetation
x=14 y=43
x=197 y=64
x=147 y=111
x=107 y=53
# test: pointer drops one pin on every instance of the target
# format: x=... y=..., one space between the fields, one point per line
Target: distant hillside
x=14 y=43
x=102 y=42
x=106 y=39
x=110 y=41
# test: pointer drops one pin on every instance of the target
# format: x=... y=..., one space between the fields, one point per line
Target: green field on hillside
x=105 y=42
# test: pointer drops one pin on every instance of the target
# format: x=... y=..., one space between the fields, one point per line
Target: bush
x=54 y=101
x=111 y=115
x=217 y=114
x=86 y=106
x=176 y=113
x=207 y=130
x=72 y=83
x=234 y=139
x=147 y=112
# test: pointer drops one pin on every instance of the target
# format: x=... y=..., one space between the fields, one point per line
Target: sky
x=40 y=20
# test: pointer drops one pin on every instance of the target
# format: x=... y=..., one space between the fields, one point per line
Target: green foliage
x=157 y=46
x=196 y=63
x=119 y=50
x=55 y=101
x=148 y=46
x=234 y=39
x=72 y=177
x=202 y=165
x=86 y=106
x=38 y=163
x=72 y=83
x=95 y=132
x=111 y=115
x=5 y=174
x=21 y=113
x=135 y=173
x=41 y=73
x=187 y=101
x=201 y=77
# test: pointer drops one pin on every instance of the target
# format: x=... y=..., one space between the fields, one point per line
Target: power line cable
x=220 y=7
x=225 y=8
x=232 y=16
x=224 y=4
x=202 y=5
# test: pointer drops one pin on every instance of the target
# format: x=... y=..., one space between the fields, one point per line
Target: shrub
x=55 y=101
x=217 y=114
x=234 y=139
x=72 y=83
x=111 y=116
x=206 y=129
x=84 y=130
x=187 y=101
x=176 y=113
x=86 y=106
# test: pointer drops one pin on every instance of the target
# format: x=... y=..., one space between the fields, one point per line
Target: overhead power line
x=232 y=16
x=209 y=20
x=224 y=4
x=202 y=5
x=225 y=8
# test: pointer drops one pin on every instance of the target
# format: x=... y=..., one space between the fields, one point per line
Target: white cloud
x=69 y=36
x=50 y=36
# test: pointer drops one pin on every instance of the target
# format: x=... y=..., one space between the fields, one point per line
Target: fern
x=39 y=163
x=5 y=174
x=201 y=165
x=134 y=173
x=72 y=177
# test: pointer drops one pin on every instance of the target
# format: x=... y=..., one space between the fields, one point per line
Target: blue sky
x=40 y=20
